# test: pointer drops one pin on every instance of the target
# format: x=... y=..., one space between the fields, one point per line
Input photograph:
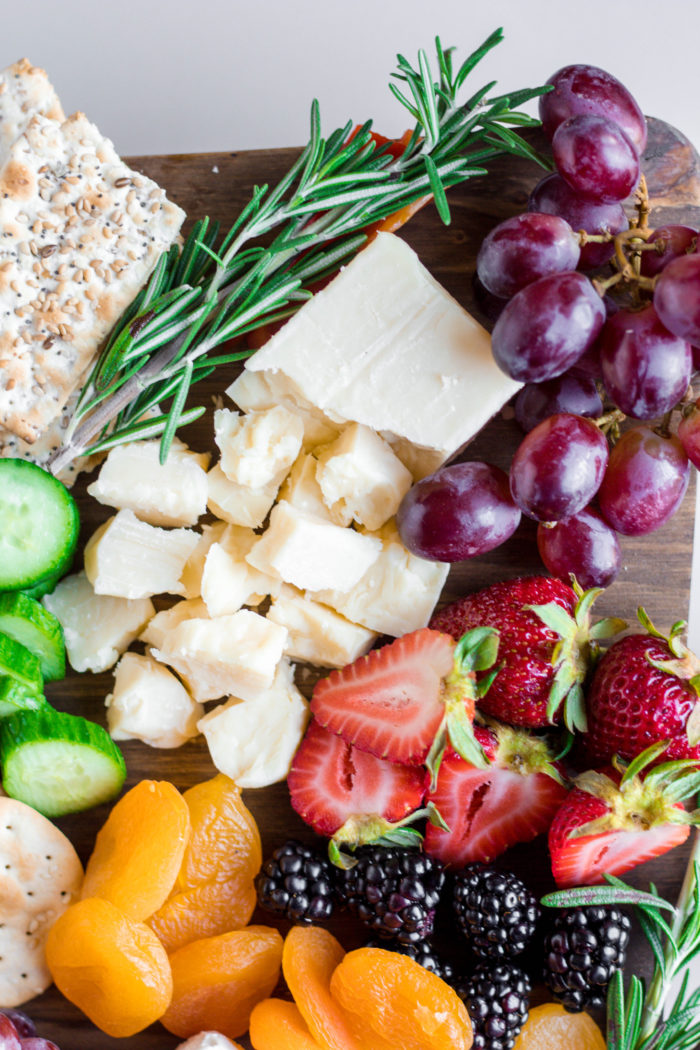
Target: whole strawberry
x=546 y=647
x=646 y=688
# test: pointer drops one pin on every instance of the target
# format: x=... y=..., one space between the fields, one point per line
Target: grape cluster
x=17 y=1032
x=560 y=332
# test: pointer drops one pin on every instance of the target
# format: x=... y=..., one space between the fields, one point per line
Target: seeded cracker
x=40 y=875
x=24 y=91
x=80 y=232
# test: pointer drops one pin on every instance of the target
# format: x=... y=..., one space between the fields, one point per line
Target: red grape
x=646 y=370
x=671 y=242
x=458 y=512
x=9 y=1039
x=554 y=196
x=36 y=1043
x=523 y=249
x=645 y=481
x=577 y=394
x=583 y=545
x=596 y=159
x=24 y=1025
x=585 y=89
x=558 y=467
x=547 y=326
x=677 y=297
x=689 y=432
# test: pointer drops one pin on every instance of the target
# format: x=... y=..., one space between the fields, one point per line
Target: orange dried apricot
x=276 y=1024
x=311 y=954
x=111 y=967
x=218 y=980
x=392 y=1001
x=204 y=911
x=139 y=849
x=551 y=1027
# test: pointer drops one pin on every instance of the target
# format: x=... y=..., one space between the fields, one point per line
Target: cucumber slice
x=58 y=763
x=17 y=662
x=38 y=525
x=28 y=622
x=45 y=586
x=16 y=697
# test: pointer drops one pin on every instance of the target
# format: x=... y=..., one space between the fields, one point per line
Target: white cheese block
x=228 y=581
x=172 y=493
x=97 y=628
x=231 y=655
x=301 y=488
x=127 y=558
x=316 y=633
x=398 y=592
x=254 y=741
x=256 y=391
x=207 y=1041
x=361 y=479
x=312 y=553
x=259 y=447
x=149 y=703
x=167 y=619
x=191 y=576
x=385 y=345
x=239 y=504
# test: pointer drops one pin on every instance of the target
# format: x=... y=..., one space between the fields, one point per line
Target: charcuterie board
x=656 y=568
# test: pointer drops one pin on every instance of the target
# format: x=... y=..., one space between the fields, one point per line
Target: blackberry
x=498 y=1000
x=423 y=953
x=393 y=891
x=297 y=882
x=582 y=952
x=496 y=911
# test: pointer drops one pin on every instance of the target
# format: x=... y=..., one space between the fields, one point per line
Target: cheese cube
x=361 y=479
x=191 y=576
x=257 y=448
x=234 y=654
x=254 y=741
x=167 y=619
x=97 y=629
x=301 y=488
x=149 y=703
x=228 y=581
x=127 y=558
x=398 y=592
x=172 y=493
x=255 y=391
x=239 y=504
x=316 y=633
x=207 y=1041
x=312 y=553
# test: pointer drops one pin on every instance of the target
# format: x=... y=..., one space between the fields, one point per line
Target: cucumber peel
x=28 y=622
x=17 y=662
x=16 y=697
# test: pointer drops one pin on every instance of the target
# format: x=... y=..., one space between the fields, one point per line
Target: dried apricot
x=276 y=1024
x=139 y=849
x=110 y=966
x=393 y=1001
x=204 y=911
x=310 y=956
x=551 y=1027
x=218 y=980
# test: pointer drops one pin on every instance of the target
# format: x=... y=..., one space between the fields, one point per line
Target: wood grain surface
x=656 y=568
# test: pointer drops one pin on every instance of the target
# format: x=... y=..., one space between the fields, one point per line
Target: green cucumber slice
x=28 y=622
x=17 y=662
x=44 y=586
x=58 y=763
x=38 y=525
x=16 y=697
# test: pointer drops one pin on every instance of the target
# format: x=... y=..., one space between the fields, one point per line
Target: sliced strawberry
x=489 y=810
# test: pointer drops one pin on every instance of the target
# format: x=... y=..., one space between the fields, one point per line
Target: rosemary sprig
x=217 y=288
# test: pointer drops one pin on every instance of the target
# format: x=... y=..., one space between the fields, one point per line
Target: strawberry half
x=615 y=819
x=488 y=810
x=402 y=702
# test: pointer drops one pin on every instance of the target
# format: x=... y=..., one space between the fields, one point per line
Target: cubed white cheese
x=316 y=633
x=259 y=447
x=385 y=345
x=207 y=1041
x=191 y=577
x=301 y=488
x=312 y=553
x=97 y=628
x=228 y=581
x=254 y=741
x=167 y=619
x=172 y=493
x=149 y=703
x=361 y=479
x=127 y=558
x=398 y=592
x=239 y=504
x=256 y=391
x=231 y=655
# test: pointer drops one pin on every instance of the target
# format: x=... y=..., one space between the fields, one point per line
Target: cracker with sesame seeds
x=25 y=90
x=40 y=875
x=80 y=232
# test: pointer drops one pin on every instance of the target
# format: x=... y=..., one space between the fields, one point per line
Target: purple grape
x=645 y=482
x=689 y=432
x=646 y=370
x=677 y=297
x=547 y=326
x=596 y=159
x=523 y=249
x=577 y=394
x=582 y=89
x=554 y=196
x=36 y=1043
x=458 y=512
x=671 y=242
x=24 y=1025
x=558 y=467
x=583 y=545
x=9 y=1039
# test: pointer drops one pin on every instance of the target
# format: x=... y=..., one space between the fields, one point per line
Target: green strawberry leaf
x=461 y=734
x=575 y=718
x=476 y=650
x=554 y=617
x=607 y=627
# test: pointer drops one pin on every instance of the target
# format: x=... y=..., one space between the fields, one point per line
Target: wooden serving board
x=656 y=567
